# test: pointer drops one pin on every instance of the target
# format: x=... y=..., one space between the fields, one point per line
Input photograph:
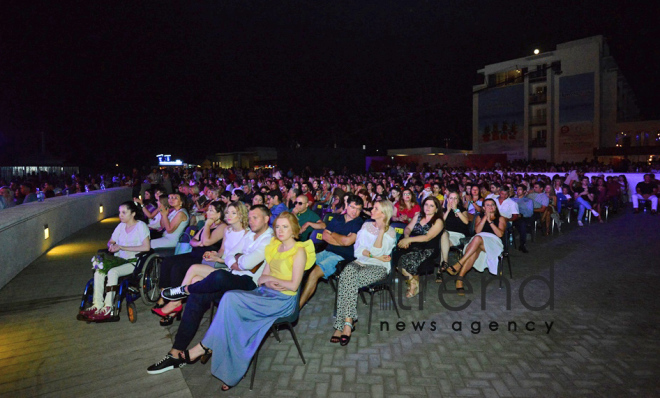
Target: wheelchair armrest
x=141 y=255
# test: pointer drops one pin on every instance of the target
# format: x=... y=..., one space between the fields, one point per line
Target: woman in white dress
x=485 y=247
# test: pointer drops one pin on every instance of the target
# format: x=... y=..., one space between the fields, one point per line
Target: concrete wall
x=22 y=227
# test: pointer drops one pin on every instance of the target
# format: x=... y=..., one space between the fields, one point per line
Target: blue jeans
x=582 y=205
x=202 y=295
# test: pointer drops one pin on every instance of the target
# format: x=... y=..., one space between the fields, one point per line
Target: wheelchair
x=142 y=283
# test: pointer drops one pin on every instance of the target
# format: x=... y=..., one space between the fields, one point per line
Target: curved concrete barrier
x=22 y=227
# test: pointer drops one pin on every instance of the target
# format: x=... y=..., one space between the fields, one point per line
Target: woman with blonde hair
x=237 y=226
x=372 y=249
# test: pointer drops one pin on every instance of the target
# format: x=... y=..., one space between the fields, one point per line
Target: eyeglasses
x=299 y=203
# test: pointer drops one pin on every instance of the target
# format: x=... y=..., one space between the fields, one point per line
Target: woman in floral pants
x=373 y=247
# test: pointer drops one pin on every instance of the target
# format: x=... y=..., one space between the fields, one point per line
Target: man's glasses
x=299 y=203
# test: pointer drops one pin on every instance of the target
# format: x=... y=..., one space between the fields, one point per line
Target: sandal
x=204 y=358
x=460 y=290
x=453 y=271
x=345 y=339
x=335 y=339
x=225 y=387
x=443 y=267
x=168 y=319
x=413 y=290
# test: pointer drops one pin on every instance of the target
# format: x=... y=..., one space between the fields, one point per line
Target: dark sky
x=147 y=77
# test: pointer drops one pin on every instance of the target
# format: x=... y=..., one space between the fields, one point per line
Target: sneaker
x=595 y=213
x=166 y=364
x=523 y=249
x=102 y=314
x=89 y=311
x=175 y=293
x=580 y=224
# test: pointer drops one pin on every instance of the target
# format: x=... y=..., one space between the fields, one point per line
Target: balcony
x=538 y=98
x=538 y=121
x=538 y=76
x=538 y=142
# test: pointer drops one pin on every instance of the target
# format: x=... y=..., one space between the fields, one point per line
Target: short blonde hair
x=242 y=211
x=293 y=221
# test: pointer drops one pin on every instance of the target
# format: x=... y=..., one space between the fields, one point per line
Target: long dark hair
x=497 y=210
x=438 y=205
x=413 y=199
x=133 y=208
x=220 y=208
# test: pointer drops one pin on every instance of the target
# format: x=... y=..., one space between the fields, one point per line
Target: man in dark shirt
x=340 y=234
x=646 y=190
x=307 y=219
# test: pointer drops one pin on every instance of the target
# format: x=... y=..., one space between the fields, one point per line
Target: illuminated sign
x=166 y=160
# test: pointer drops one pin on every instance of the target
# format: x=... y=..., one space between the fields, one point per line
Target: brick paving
x=602 y=340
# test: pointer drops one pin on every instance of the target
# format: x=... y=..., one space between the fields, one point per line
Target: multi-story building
x=558 y=105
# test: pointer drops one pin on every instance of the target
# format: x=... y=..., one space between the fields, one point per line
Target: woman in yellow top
x=243 y=318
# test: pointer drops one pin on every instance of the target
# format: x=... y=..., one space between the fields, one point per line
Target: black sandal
x=460 y=290
x=453 y=271
x=345 y=339
x=335 y=339
x=204 y=358
x=443 y=267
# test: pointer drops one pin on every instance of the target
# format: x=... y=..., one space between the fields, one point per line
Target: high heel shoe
x=460 y=290
x=413 y=290
x=453 y=271
x=168 y=319
x=443 y=267
x=345 y=339
x=157 y=306
x=204 y=358
x=162 y=314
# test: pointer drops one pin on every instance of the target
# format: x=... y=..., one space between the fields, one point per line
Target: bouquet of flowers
x=104 y=262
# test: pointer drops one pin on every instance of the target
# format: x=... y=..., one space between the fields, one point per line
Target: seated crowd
x=263 y=242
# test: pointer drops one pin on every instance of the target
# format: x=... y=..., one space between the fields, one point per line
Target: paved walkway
x=599 y=338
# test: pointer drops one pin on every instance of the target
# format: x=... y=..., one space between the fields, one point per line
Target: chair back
x=316 y=236
x=318 y=208
x=398 y=228
x=328 y=217
x=188 y=234
x=294 y=315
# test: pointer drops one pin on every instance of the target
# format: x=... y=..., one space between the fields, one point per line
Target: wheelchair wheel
x=131 y=310
x=149 y=281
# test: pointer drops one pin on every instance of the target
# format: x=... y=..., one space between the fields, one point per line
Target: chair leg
x=371 y=307
x=295 y=340
x=362 y=297
x=254 y=367
x=275 y=333
x=508 y=260
x=389 y=289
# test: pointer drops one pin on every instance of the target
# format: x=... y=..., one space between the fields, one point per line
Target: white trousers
x=113 y=279
x=636 y=198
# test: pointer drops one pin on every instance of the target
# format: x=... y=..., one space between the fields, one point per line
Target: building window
x=540 y=139
x=509 y=77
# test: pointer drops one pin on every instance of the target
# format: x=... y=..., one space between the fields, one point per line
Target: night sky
x=115 y=83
